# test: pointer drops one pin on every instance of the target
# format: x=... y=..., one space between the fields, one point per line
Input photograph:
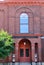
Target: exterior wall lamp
x=36 y=58
x=24 y=43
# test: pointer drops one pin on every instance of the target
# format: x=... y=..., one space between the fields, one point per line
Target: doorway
x=24 y=50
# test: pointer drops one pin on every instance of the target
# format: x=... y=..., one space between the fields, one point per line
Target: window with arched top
x=23 y=23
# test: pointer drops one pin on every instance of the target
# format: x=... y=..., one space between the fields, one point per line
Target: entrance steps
x=24 y=63
x=29 y=63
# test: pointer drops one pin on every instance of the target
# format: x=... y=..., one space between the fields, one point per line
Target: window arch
x=23 y=23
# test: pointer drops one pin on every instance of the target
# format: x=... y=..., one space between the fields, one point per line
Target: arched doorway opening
x=24 y=50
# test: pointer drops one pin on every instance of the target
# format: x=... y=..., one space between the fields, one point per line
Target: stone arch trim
x=24 y=10
x=24 y=39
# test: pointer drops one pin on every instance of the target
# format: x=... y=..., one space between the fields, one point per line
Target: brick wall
x=10 y=18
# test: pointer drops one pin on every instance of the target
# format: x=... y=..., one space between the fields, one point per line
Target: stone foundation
x=23 y=63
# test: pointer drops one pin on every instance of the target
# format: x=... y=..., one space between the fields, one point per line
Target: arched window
x=23 y=23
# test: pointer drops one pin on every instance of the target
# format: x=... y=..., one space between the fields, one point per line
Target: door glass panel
x=21 y=52
x=27 y=52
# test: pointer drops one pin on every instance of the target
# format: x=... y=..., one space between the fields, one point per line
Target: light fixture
x=13 y=55
x=36 y=57
x=24 y=43
x=13 y=58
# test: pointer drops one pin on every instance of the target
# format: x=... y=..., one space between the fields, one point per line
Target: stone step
x=28 y=63
x=24 y=63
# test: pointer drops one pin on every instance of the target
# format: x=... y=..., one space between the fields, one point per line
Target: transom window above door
x=24 y=23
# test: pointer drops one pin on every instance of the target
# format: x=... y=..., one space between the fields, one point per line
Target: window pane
x=23 y=20
x=21 y=52
x=27 y=52
x=23 y=28
x=23 y=15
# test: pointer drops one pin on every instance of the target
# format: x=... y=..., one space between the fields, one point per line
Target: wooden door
x=24 y=52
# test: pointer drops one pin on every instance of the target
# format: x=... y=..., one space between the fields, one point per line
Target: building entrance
x=24 y=50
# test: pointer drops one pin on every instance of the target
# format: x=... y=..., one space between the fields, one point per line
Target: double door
x=24 y=53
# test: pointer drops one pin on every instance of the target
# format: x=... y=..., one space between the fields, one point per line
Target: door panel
x=24 y=52
x=27 y=52
x=21 y=52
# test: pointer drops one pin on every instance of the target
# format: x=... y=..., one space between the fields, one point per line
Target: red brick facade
x=10 y=21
